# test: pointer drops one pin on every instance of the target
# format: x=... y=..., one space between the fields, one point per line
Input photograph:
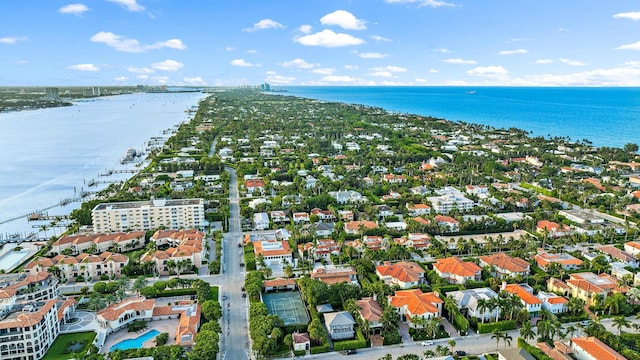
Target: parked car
x=461 y=353
x=349 y=351
x=426 y=343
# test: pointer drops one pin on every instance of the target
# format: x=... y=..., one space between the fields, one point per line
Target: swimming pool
x=12 y=259
x=135 y=343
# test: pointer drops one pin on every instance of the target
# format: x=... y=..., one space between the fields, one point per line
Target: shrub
x=162 y=339
x=100 y=287
x=358 y=343
x=136 y=325
x=534 y=351
x=500 y=325
x=299 y=352
x=461 y=323
x=391 y=337
x=104 y=277
x=320 y=349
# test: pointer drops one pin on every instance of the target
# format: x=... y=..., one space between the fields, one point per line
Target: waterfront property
x=185 y=250
x=145 y=215
x=118 y=242
x=84 y=265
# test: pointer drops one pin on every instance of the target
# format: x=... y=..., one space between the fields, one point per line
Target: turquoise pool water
x=135 y=343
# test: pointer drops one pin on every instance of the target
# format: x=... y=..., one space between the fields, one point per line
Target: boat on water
x=470 y=92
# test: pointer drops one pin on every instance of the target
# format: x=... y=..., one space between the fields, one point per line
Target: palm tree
x=526 y=331
x=575 y=305
x=481 y=307
x=498 y=335
x=452 y=345
x=620 y=322
x=451 y=306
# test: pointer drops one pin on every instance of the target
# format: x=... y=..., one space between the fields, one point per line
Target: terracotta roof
x=370 y=310
x=597 y=349
x=114 y=311
x=355 y=225
x=254 y=183
x=26 y=318
x=333 y=276
x=258 y=248
x=557 y=300
x=616 y=253
x=188 y=326
x=454 y=265
x=165 y=311
x=506 y=262
x=301 y=338
x=523 y=294
x=446 y=219
x=544 y=258
x=278 y=282
x=557 y=283
x=420 y=220
x=417 y=302
x=633 y=244
x=404 y=271
x=67 y=303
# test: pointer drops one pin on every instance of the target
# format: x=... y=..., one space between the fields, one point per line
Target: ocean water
x=605 y=116
x=48 y=155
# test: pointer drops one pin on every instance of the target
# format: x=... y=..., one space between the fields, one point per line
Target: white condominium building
x=146 y=215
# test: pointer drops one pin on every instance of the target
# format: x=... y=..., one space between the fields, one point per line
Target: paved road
x=235 y=336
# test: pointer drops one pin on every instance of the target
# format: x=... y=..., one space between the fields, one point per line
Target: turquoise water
x=135 y=343
x=605 y=116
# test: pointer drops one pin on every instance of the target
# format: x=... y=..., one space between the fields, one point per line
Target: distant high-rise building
x=91 y=92
x=51 y=94
x=265 y=87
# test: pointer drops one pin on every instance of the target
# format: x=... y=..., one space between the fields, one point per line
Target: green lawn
x=58 y=350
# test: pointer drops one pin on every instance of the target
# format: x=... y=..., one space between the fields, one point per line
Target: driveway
x=403 y=329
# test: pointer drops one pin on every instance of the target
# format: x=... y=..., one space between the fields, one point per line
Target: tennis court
x=288 y=306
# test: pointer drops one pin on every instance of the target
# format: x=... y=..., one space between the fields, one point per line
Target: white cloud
x=251 y=51
x=632 y=63
x=384 y=74
x=351 y=67
x=429 y=3
x=634 y=46
x=243 y=63
x=443 y=50
x=543 y=61
x=323 y=71
x=620 y=76
x=275 y=79
x=142 y=77
x=571 y=62
x=379 y=38
x=12 y=39
x=265 y=24
x=328 y=38
x=83 y=67
x=339 y=78
x=305 y=29
x=143 y=70
x=420 y=80
x=460 y=61
x=130 y=5
x=512 y=52
x=229 y=48
x=297 y=63
x=75 y=9
x=633 y=15
x=124 y=44
x=488 y=71
x=434 y=71
x=167 y=65
x=344 y=19
x=121 y=78
x=197 y=80
x=160 y=79
x=515 y=40
x=372 y=55
x=390 y=68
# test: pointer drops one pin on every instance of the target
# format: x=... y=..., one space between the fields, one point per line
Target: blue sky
x=320 y=42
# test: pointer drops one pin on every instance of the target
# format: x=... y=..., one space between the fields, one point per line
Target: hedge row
x=461 y=323
x=358 y=343
x=500 y=325
x=176 y=292
x=320 y=349
x=534 y=351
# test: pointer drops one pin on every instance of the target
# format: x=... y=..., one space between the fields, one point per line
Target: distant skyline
x=320 y=42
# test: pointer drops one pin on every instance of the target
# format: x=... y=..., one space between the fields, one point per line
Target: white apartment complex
x=146 y=215
x=30 y=315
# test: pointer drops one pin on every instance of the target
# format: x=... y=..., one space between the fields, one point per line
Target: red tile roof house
x=301 y=341
x=254 y=186
x=457 y=271
x=587 y=286
x=553 y=229
x=370 y=311
x=409 y=303
x=448 y=223
x=323 y=249
x=525 y=293
x=568 y=262
x=414 y=241
x=504 y=266
x=619 y=255
x=335 y=275
x=590 y=348
x=354 y=227
x=632 y=247
x=404 y=274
